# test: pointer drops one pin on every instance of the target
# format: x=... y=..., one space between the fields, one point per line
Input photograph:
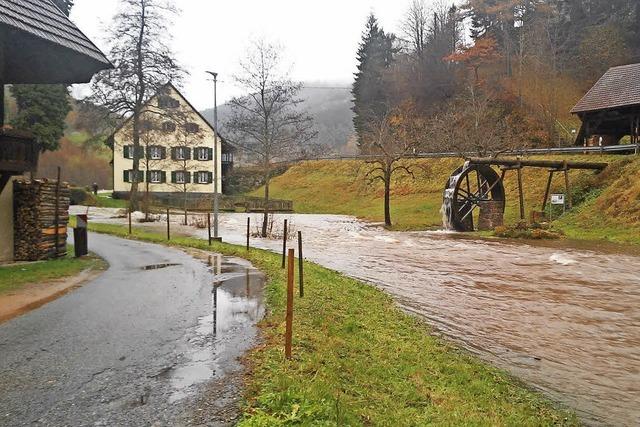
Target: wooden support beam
x=521 y=194
x=514 y=163
x=547 y=190
x=567 y=185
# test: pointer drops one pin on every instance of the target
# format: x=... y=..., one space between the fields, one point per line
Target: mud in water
x=566 y=320
x=563 y=316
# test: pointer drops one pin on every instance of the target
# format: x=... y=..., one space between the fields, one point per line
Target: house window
x=155 y=177
x=131 y=176
x=168 y=127
x=202 y=153
x=227 y=157
x=180 y=177
x=181 y=153
x=146 y=125
x=203 y=177
x=155 y=153
x=168 y=102
x=192 y=128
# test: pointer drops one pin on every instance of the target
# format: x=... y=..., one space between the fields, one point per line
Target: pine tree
x=42 y=110
x=375 y=55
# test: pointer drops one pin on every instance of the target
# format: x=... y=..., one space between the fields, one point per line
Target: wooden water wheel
x=467 y=188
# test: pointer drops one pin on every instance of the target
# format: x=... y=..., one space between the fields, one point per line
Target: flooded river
x=565 y=319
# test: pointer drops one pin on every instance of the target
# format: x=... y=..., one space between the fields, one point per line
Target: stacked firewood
x=36 y=236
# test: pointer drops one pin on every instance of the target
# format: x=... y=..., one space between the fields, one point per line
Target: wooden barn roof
x=43 y=19
x=618 y=87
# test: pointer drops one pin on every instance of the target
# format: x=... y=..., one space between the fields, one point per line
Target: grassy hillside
x=607 y=204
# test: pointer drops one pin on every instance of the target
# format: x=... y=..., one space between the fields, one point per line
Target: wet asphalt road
x=99 y=355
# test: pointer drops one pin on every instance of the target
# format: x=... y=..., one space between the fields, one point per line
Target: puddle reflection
x=228 y=331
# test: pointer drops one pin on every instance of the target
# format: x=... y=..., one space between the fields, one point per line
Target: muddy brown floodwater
x=564 y=318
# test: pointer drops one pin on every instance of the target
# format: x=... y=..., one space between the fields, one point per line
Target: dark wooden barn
x=611 y=109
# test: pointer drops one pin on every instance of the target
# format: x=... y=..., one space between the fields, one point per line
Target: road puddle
x=213 y=347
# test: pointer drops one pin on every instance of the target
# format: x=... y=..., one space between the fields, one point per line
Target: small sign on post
x=557 y=199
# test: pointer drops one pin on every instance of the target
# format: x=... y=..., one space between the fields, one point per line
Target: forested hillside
x=491 y=74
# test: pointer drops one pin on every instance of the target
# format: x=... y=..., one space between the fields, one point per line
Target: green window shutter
x=163 y=153
x=148 y=173
x=125 y=175
x=163 y=177
x=210 y=177
x=188 y=153
x=127 y=152
x=140 y=152
x=210 y=153
x=187 y=177
x=173 y=153
x=173 y=177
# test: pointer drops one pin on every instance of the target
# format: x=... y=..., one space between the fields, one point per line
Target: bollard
x=289 y=320
x=248 y=231
x=300 y=265
x=168 y=226
x=129 y=220
x=284 y=243
x=209 y=226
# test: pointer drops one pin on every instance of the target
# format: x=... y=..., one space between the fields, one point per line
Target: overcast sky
x=320 y=38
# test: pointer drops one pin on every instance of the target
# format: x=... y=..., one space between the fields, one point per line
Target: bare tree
x=390 y=139
x=475 y=123
x=268 y=122
x=143 y=64
x=415 y=27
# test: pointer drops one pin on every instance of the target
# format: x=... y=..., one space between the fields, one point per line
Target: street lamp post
x=215 y=154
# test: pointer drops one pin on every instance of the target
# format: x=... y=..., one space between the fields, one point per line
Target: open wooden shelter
x=611 y=109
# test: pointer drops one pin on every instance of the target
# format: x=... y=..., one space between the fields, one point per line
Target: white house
x=176 y=150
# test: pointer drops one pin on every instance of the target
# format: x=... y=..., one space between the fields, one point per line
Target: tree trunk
x=387 y=197
x=186 y=196
x=265 y=218
x=133 y=193
x=146 y=199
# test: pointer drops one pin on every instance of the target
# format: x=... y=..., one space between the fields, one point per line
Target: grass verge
x=359 y=360
x=13 y=277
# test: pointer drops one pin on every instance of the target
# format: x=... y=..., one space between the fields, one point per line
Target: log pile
x=35 y=218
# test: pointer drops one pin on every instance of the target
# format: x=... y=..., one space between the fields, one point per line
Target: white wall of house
x=6 y=223
x=203 y=141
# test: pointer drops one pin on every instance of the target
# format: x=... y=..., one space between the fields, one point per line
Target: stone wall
x=491 y=215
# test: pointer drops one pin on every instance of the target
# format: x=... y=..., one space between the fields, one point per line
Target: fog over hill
x=330 y=107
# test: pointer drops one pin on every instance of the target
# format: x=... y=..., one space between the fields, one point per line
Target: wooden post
x=56 y=215
x=300 y=265
x=248 y=231
x=209 y=226
x=168 y=226
x=548 y=189
x=520 y=193
x=284 y=243
x=129 y=215
x=567 y=185
x=289 y=320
